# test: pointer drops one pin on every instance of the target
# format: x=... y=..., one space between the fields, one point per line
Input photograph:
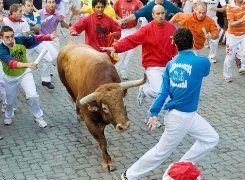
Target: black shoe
x=48 y=85
x=123 y=176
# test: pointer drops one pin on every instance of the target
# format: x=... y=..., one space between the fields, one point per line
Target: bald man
x=157 y=50
x=196 y=22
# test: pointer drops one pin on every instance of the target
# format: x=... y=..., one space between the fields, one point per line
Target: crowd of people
x=171 y=34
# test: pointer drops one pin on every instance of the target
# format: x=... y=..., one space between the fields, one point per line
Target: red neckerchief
x=50 y=12
x=11 y=18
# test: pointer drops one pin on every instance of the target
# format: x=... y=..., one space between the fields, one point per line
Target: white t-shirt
x=213 y=4
x=18 y=27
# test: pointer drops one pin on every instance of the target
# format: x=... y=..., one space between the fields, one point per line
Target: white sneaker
x=241 y=71
x=212 y=60
x=228 y=79
x=123 y=75
x=41 y=123
x=8 y=121
x=141 y=96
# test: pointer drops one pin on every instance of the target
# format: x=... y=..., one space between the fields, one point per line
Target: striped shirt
x=235 y=13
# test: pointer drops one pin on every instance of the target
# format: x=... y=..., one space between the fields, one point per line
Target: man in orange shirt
x=235 y=37
x=201 y=26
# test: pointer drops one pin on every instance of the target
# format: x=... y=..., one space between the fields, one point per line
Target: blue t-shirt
x=33 y=19
x=182 y=82
x=146 y=11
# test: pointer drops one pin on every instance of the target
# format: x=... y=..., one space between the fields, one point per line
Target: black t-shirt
x=8 y=3
x=37 y=4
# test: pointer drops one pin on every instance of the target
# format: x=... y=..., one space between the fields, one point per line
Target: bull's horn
x=87 y=99
x=129 y=84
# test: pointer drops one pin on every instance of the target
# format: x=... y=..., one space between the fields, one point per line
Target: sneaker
x=241 y=71
x=8 y=121
x=48 y=85
x=1 y=137
x=212 y=60
x=141 y=96
x=3 y=109
x=41 y=123
x=123 y=176
x=228 y=80
x=123 y=75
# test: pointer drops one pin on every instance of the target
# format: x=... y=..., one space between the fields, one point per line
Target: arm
x=37 y=26
x=233 y=23
x=130 y=41
x=159 y=101
x=128 y=18
x=78 y=27
x=11 y=61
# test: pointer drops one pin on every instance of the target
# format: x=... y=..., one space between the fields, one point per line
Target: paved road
x=65 y=149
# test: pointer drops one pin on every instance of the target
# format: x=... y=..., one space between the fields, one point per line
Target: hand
x=54 y=35
x=32 y=66
x=111 y=49
x=72 y=9
x=152 y=123
x=74 y=33
x=208 y=37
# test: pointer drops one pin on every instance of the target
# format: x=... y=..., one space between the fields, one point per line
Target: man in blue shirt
x=34 y=22
x=146 y=11
x=182 y=83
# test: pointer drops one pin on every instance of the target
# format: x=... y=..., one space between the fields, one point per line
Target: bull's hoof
x=108 y=166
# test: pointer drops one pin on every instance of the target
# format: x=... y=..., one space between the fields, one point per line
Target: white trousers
x=214 y=43
x=177 y=126
x=154 y=81
x=12 y=85
x=2 y=86
x=232 y=44
x=125 y=57
x=47 y=61
x=53 y=48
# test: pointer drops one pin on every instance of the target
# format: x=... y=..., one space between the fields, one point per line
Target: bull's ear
x=93 y=108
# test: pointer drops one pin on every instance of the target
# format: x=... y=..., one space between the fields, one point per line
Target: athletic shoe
x=241 y=71
x=48 y=85
x=41 y=123
x=228 y=80
x=141 y=96
x=1 y=137
x=8 y=121
x=123 y=176
x=212 y=60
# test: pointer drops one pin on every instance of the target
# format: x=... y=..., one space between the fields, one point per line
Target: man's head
x=158 y=14
x=1 y=5
x=159 y=2
x=201 y=10
x=7 y=36
x=183 y=39
x=16 y=11
x=28 y=6
x=99 y=6
x=50 y=4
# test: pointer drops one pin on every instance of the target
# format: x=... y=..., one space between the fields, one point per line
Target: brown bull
x=94 y=85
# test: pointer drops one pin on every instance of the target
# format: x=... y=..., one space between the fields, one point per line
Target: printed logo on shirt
x=179 y=75
x=18 y=54
x=101 y=32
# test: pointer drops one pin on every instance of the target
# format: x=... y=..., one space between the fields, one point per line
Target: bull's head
x=109 y=98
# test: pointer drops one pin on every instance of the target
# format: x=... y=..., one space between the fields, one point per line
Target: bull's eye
x=105 y=108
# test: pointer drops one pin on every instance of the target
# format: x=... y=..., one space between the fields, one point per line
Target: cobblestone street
x=65 y=149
